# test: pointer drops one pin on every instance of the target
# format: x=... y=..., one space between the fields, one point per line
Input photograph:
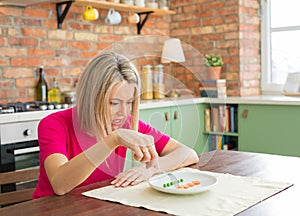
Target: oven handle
x=26 y=150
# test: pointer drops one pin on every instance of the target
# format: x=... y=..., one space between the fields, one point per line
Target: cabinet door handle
x=245 y=113
x=175 y=115
x=167 y=116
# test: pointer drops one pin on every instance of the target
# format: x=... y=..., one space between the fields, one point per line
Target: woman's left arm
x=174 y=155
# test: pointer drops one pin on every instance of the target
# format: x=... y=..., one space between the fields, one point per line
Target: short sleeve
x=52 y=136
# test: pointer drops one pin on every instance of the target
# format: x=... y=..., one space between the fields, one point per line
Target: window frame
x=266 y=86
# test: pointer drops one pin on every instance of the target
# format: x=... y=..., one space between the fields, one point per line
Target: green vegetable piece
x=164 y=185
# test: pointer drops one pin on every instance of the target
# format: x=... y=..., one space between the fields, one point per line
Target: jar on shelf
x=158 y=82
x=146 y=78
x=164 y=4
x=127 y=2
x=152 y=4
x=69 y=97
x=140 y=3
x=114 y=1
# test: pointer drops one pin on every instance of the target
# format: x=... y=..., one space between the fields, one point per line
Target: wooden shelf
x=62 y=12
x=294 y=94
x=122 y=7
x=222 y=133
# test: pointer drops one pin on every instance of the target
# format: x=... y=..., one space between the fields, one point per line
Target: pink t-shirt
x=60 y=133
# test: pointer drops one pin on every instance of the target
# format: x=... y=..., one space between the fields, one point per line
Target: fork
x=171 y=176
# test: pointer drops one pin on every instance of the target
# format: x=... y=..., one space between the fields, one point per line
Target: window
x=280 y=42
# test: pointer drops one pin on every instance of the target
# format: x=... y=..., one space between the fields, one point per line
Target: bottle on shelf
x=42 y=87
x=54 y=94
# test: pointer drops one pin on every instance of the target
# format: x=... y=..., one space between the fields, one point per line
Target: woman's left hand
x=134 y=176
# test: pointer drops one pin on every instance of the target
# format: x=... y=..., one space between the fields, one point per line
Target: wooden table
x=271 y=167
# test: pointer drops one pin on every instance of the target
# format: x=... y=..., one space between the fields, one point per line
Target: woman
x=88 y=143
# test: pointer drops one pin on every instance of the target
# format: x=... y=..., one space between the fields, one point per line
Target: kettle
x=90 y=13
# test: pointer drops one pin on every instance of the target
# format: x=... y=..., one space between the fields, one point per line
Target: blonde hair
x=94 y=88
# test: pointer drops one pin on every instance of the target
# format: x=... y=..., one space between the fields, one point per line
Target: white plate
x=206 y=182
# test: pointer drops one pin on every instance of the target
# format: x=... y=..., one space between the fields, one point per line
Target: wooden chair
x=16 y=177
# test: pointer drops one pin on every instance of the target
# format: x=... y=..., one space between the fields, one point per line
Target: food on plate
x=185 y=186
x=188 y=185
x=168 y=184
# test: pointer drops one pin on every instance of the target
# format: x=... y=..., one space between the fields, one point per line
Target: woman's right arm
x=64 y=175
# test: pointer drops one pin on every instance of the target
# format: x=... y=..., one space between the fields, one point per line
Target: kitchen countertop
x=147 y=104
x=261 y=99
x=25 y=116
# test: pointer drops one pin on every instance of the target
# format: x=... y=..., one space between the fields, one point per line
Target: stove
x=30 y=106
x=19 y=148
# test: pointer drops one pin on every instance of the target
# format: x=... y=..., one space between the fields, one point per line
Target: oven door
x=16 y=156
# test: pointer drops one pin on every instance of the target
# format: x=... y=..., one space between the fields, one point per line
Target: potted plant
x=216 y=63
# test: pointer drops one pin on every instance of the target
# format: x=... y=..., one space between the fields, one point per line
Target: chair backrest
x=18 y=176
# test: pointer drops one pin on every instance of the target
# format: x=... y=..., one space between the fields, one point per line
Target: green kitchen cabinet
x=182 y=122
x=272 y=129
x=157 y=118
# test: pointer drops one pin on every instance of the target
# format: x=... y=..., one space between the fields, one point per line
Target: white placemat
x=230 y=196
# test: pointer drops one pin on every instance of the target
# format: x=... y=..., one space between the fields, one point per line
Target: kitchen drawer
x=18 y=132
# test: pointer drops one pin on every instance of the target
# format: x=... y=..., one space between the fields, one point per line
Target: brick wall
x=230 y=28
x=29 y=37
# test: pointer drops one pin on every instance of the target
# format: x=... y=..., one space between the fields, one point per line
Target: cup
x=90 y=13
x=133 y=18
x=113 y=17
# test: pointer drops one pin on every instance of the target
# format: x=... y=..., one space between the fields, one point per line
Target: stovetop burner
x=30 y=106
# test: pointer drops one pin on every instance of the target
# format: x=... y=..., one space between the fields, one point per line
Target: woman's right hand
x=142 y=145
